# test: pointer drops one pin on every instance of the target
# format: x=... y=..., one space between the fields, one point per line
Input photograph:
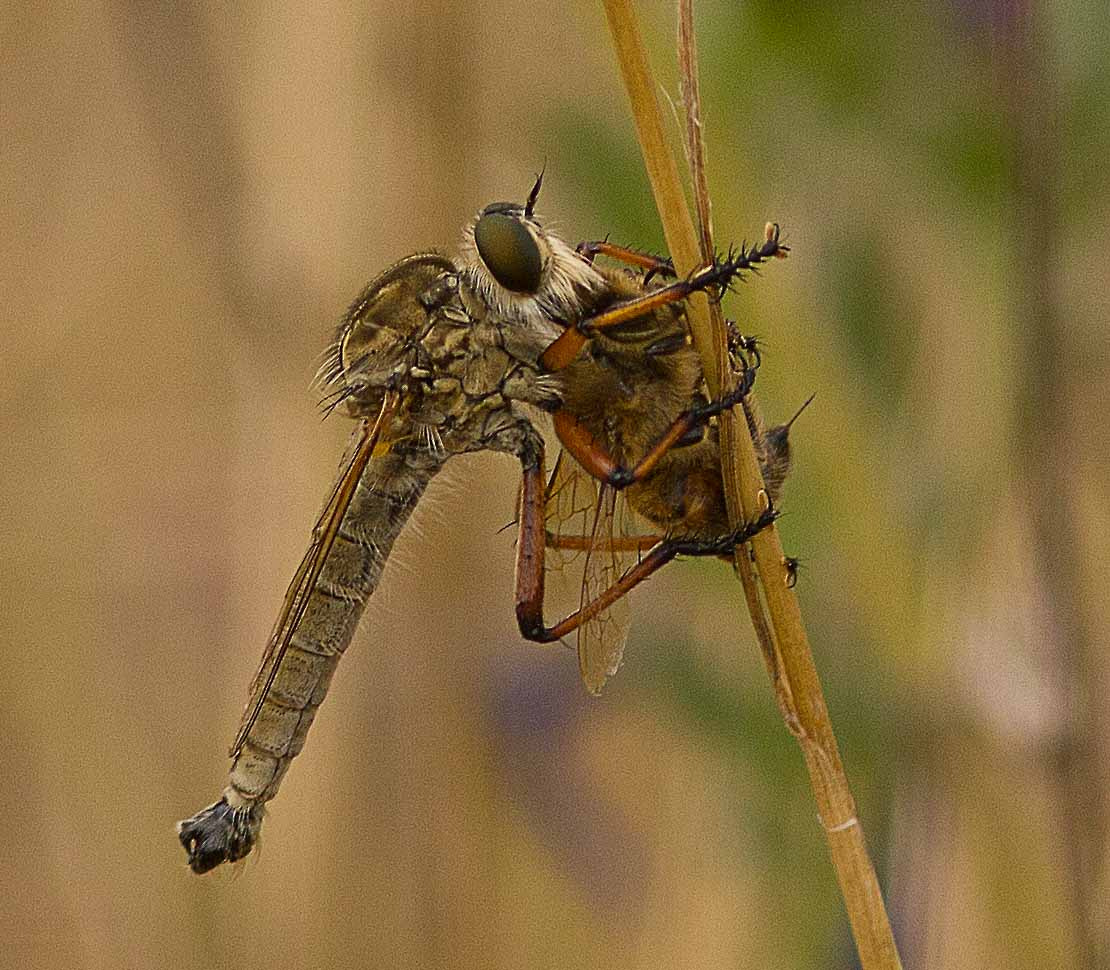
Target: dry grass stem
x=695 y=158
x=800 y=694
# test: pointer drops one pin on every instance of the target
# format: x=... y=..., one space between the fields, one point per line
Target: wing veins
x=304 y=580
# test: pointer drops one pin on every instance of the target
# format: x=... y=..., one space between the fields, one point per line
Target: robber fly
x=634 y=425
x=436 y=357
x=431 y=369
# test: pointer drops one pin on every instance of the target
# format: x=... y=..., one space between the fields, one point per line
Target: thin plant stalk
x=807 y=714
x=695 y=159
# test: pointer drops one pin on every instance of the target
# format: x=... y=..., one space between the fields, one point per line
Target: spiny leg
x=743 y=350
x=719 y=274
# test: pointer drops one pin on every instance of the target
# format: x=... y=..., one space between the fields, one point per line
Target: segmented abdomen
x=386 y=494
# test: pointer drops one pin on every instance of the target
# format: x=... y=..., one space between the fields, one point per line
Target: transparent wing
x=570 y=503
x=601 y=639
x=323 y=537
x=593 y=527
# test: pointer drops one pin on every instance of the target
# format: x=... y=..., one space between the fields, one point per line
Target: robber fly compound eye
x=509 y=250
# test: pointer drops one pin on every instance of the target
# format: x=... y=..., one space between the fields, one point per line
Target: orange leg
x=566 y=347
x=530 y=571
x=658 y=265
x=582 y=446
x=721 y=274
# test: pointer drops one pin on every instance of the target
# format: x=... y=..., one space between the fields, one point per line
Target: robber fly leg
x=530 y=615
x=530 y=549
x=589 y=453
x=530 y=567
x=531 y=543
x=565 y=348
x=722 y=545
x=529 y=603
x=742 y=349
x=718 y=275
x=654 y=265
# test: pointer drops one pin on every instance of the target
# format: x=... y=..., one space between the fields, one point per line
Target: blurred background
x=192 y=194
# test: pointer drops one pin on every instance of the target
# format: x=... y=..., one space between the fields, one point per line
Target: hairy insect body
x=629 y=386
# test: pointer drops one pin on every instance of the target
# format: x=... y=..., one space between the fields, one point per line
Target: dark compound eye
x=509 y=251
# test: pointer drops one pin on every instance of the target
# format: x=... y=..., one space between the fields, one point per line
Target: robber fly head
x=521 y=271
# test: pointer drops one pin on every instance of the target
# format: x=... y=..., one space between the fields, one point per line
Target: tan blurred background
x=192 y=193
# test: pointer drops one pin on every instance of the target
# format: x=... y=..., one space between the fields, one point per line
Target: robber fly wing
x=323 y=537
x=570 y=502
x=601 y=639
